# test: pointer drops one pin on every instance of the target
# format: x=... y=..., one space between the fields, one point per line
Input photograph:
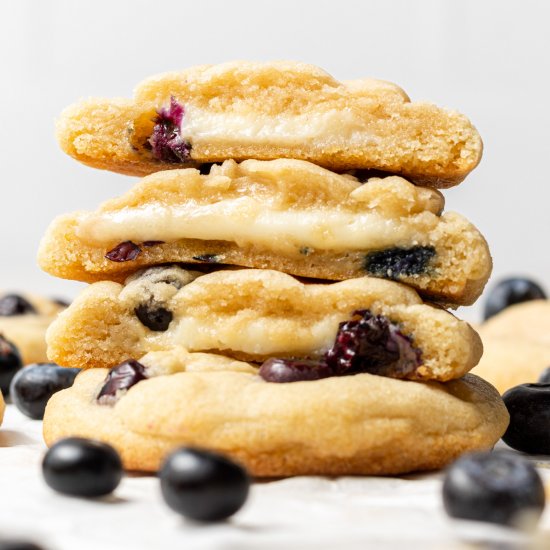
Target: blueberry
x=10 y=363
x=294 y=370
x=156 y=318
x=124 y=252
x=529 y=408
x=544 y=377
x=32 y=386
x=202 y=485
x=120 y=378
x=13 y=304
x=495 y=487
x=393 y=262
x=509 y=292
x=82 y=467
x=18 y=545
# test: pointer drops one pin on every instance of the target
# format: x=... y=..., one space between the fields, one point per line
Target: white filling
x=245 y=221
x=257 y=128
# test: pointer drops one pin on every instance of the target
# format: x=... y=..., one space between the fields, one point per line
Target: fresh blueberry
x=156 y=318
x=124 y=252
x=529 y=408
x=202 y=485
x=544 y=377
x=394 y=262
x=495 y=487
x=13 y=304
x=10 y=363
x=509 y=292
x=120 y=378
x=32 y=386
x=14 y=544
x=82 y=467
x=294 y=370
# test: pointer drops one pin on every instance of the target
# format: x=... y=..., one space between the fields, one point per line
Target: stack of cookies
x=275 y=287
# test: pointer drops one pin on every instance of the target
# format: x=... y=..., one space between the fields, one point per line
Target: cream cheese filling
x=245 y=221
x=258 y=128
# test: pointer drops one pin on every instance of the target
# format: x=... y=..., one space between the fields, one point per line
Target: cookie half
x=361 y=424
x=260 y=314
x=267 y=111
x=516 y=345
x=288 y=215
x=24 y=320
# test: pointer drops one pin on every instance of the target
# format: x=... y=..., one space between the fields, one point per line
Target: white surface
x=487 y=59
x=304 y=513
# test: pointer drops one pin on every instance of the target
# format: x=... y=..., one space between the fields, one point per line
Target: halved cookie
x=265 y=111
x=288 y=215
x=24 y=320
x=361 y=424
x=362 y=324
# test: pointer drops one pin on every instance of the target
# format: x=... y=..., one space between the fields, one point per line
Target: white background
x=488 y=59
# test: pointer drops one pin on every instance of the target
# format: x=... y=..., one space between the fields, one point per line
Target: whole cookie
x=361 y=424
x=266 y=111
x=24 y=319
x=287 y=215
x=258 y=314
x=516 y=345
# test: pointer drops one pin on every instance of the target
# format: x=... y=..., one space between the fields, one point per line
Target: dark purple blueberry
x=124 y=252
x=294 y=370
x=166 y=141
x=392 y=263
x=207 y=258
x=10 y=363
x=544 y=377
x=13 y=304
x=32 y=386
x=154 y=318
x=121 y=378
x=509 y=292
x=495 y=487
x=151 y=243
x=529 y=428
x=372 y=343
x=18 y=544
x=82 y=467
x=202 y=485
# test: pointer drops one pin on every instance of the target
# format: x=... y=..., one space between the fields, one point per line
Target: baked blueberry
x=10 y=363
x=509 y=292
x=124 y=252
x=529 y=408
x=294 y=370
x=82 y=467
x=495 y=487
x=156 y=318
x=203 y=485
x=544 y=377
x=121 y=378
x=13 y=304
x=32 y=386
x=393 y=262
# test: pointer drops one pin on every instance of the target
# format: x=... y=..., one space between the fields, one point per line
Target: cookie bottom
x=354 y=425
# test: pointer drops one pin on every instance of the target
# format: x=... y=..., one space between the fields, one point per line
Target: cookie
x=288 y=215
x=266 y=111
x=362 y=424
x=24 y=320
x=516 y=345
x=260 y=314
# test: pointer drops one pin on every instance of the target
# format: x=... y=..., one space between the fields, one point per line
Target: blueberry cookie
x=360 y=424
x=288 y=215
x=516 y=345
x=267 y=111
x=364 y=323
x=24 y=320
